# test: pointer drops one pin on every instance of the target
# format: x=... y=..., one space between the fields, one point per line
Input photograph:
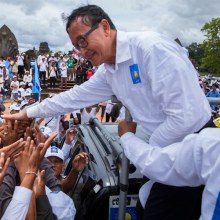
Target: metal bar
x=124 y=172
x=117 y=151
x=213 y=100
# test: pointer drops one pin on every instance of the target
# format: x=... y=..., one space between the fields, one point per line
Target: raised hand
x=46 y=145
x=39 y=137
x=22 y=161
x=39 y=184
x=3 y=166
x=9 y=133
x=13 y=150
x=80 y=161
x=29 y=130
x=70 y=136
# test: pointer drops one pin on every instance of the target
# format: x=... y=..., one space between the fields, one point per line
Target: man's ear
x=105 y=26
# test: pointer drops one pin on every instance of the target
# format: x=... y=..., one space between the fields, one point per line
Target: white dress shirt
x=193 y=162
x=167 y=101
x=43 y=65
x=18 y=207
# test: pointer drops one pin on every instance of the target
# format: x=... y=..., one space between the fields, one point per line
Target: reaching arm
x=89 y=93
x=172 y=165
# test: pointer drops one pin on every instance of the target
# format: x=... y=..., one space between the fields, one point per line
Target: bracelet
x=30 y=172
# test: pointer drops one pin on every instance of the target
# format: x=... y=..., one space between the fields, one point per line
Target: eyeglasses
x=82 y=42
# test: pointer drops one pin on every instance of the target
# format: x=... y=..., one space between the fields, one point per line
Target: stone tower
x=8 y=43
x=43 y=48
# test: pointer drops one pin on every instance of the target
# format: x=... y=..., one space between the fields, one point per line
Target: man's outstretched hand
x=17 y=116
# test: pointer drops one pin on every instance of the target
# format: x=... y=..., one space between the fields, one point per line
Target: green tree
x=196 y=53
x=211 y=46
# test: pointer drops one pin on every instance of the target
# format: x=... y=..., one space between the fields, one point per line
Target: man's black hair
x=91 y=15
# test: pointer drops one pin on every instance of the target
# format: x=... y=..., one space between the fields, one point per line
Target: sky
x=35 y=21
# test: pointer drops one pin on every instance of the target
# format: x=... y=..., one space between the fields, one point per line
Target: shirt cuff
x=22 y=194
x=125 y=138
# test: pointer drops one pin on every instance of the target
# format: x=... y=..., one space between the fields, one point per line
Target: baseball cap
x=14 y=76
x=46 y=130
x=27 y=93
x=30 y=84
x=23 y=103
x=54 y=151
x=14 y=107
x=22 y=83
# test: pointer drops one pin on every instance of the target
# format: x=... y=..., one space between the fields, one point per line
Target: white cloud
x=33 y=21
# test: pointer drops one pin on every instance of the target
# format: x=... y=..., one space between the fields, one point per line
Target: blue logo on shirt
x=135 y=75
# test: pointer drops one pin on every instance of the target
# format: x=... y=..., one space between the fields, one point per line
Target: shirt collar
x=122 y=47
x=122 y=51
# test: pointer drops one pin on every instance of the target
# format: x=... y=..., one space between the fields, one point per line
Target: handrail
x=213 y=100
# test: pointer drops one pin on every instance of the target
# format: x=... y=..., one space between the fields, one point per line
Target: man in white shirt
x=192 y=162
x=27 y=78
x=20 y=61
x=21 y=91
x=14 y=88
x=63 y=71
x=43 y=66
x=2 y=61
x=153 y=77
x=40 y=57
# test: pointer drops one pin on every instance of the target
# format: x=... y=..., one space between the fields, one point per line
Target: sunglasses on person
x=82 y=42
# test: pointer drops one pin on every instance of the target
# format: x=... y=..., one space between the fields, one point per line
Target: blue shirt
x=213 y=94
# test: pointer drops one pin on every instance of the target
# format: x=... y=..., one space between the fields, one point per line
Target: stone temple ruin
x=8 y=43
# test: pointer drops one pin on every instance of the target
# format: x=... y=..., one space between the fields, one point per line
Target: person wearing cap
x=27 y=78
x=30 y=85
x=14 y=88
x=14 y=108
x=215 y=94
x=56 y=157
x=27 y=95
x=21 y=91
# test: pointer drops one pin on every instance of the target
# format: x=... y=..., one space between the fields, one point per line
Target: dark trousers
x=52 y=81
x=43 y=76
x=21 y=71
x=173 y=203
x=107 y=117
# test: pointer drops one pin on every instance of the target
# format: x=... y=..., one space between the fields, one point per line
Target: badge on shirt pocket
x=135 y=75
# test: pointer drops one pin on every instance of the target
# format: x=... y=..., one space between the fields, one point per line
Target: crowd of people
x=154 y=79
x=54 y=70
